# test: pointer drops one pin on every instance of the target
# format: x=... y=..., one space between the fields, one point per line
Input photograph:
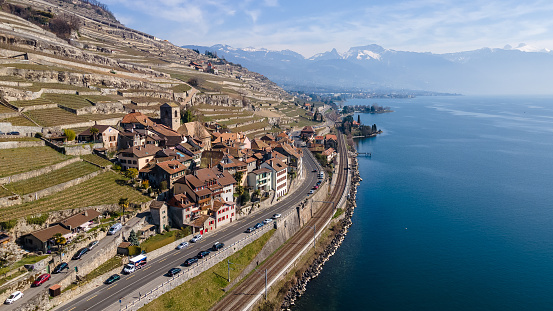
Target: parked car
x=92 y=244
x=203 y=254
x=316 y=187
x=196 y=238
x=276 y=216
x=13 y=133
x=190 y=261
x=41 y=279
x=258 y=225
x=13 y=297
x=217 y=246
x=314 y=171
x=311 y=191
x=173 y=271
x=250 y=230
x=112 y=278
x=182 y=245
x=80 y=253
x=62 y=266
x=268 y=220
x=116 y=227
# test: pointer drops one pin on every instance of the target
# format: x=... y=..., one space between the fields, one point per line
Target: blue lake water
x=455 y=210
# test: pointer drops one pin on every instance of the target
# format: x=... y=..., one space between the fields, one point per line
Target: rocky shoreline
x=316 y=267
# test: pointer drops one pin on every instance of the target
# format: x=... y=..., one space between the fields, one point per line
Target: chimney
x=86 y=213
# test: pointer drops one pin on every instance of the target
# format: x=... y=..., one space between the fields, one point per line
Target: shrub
x=70 y=134
x=134 y=250
x=39 y=220
x=8 y=224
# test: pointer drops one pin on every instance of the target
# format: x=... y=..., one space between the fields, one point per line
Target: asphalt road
x=153 y=274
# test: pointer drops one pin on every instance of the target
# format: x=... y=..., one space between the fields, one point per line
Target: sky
x=311 y=27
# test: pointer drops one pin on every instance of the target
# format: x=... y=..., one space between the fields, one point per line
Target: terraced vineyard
x=4 y=192
x=68 y=100
x=64 y=174
x=18 y=121
x=4 y=109
x=106 y=188
x=19 y=160
x=96 y=160
x=33 y=102
x=54 y=116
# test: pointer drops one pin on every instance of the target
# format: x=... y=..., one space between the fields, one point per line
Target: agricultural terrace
x=19 y=160
x=106 y=188
x=33 y=102
x=37 y=86
x=92 y=158
x=4 y=109
x=4 y=192
x=39 y=67
x=68 y=100
x=53 y=117
x=56 y=177
x=16 y=138
x=18 y=121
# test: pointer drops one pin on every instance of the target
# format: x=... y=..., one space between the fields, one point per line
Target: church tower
x=170 y=115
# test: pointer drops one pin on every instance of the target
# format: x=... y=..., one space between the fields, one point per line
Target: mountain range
x=508 y=70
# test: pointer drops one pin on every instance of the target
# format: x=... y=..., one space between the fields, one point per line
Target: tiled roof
x=142 y=151
x=46 y=234
x=79 y=219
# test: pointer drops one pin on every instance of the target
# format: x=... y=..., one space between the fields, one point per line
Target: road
x=33 y=291
x=143 y=280
x=244 y=295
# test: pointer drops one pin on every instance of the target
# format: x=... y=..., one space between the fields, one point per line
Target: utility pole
x=229 y=268
x=314 y=233
x=265 y=284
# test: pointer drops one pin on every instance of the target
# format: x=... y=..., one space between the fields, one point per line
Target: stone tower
x=170 y=115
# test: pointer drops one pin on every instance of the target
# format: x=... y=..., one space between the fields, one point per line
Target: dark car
x=217 y=246
x=41 y=279
x=188 y=262
x=80 y=253
x=258 y=225
x=13 y=133
x=202 y=254
x=62 y=266
x=250 y=230
x=173 y=271
x=112 y=278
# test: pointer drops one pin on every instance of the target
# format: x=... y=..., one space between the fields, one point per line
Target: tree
x=245 y=197
x=359 y=118
x=69 y=134
x=124 y=203
x=256 y=194
x=238 y=176
x=239 y=190
x=145 y=184
x=59 y=239
x=94 y=131
x=133 y=238
x=131 y=173
x=187 y=116
x=163 y=185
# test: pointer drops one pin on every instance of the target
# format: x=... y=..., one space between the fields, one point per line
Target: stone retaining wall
x=20 y=144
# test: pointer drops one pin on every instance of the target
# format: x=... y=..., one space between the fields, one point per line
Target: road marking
x=147 y=268
x=91 y=297
x=112 y=286
x=130 y=276
x=163 y=260
x=71 y=309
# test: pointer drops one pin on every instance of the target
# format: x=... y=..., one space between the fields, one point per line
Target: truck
x=135 y=263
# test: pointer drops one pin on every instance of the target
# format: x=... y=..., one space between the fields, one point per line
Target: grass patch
x=338 y=213
x=92 y=158
x=29 y=260
x=180 y=88
x=106 y=188
x=203 y=291
x=56 y=177
x=158 y=241
x=107 y=266
x=11 y=277
x=19 y=160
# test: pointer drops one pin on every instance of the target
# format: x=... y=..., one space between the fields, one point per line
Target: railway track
x=242 y=296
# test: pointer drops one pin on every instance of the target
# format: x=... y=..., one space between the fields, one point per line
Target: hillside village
x=113 y=125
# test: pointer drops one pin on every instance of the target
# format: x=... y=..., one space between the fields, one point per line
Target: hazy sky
x=310 y=27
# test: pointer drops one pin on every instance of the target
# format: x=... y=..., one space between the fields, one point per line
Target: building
x=279 y=178
x=43 y=240
x=260 y=179
x=223 y=212
x=182 y=209
x=137 y=157
x=329 y=154
x=160 y=215
x=108 y=135
x=196 y=130
x=170 y=115
x=80 y=222
x=307 y=132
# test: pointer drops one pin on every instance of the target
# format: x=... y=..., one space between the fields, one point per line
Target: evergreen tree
x=133 y=238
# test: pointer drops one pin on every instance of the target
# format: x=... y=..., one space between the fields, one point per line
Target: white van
x=135 y=263
x=115 y=228
x=321 y=175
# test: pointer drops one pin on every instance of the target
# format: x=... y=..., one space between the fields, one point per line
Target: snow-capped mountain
x=523 y=69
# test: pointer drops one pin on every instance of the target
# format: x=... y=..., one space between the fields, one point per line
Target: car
x=196 y=238
x=250 y=229
x=318 y=182
x=13 y=297
x=311 y=191
x=276 y=216
x=80 y=253
x=115 y=228
x=268 y=220
x=190 y=261
x=314 y=171
x=13 y=133
x=112 y=278
x=92 y=244
x=41 y=279
x=217 y=246
x=62 y=266
x=173 y=271
x=258 y=225
x=316 y=187
x=203 y=254
x=182 y=245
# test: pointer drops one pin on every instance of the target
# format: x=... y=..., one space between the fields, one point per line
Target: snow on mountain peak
x=366 y=54
x=529 y=48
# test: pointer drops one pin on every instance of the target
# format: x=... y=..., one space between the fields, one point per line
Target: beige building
x=137 y=157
